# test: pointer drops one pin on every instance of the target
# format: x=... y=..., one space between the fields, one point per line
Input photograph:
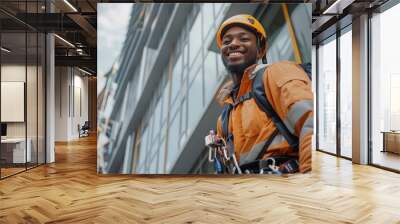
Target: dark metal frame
x=26 y=88
x=338 y=98
x=37 y=92
x=0 y=89
x=316 y=97
x=369 y=104
x=45 y=90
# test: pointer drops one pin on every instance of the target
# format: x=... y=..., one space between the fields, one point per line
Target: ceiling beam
x=84 y=24
x=82 y=61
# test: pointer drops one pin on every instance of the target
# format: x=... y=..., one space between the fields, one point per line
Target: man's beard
x=239 y=69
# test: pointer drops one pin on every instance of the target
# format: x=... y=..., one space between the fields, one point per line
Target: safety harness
x=275 y=164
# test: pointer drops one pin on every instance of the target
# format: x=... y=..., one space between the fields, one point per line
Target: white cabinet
x=17 y=146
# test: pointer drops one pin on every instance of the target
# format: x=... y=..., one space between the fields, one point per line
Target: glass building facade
x=335 y=93
x=159 y=103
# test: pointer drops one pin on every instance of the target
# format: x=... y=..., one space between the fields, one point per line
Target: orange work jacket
x=289 y=91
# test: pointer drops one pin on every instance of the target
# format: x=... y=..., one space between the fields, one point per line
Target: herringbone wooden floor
x=70 y=191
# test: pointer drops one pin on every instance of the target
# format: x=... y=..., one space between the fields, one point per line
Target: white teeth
x=235 y=54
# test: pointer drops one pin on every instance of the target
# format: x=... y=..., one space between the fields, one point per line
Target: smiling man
x=267 y=120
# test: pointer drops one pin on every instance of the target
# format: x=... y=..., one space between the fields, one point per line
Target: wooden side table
x=391 y=141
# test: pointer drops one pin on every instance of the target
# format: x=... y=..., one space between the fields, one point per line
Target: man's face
x=239 y=49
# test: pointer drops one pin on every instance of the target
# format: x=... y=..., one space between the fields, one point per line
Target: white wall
x=80 y=104
x=71 y=94
x=82 y=83
x=61 y=103
x=13 y=72
x=10 y=73
x=33 y=126
x=17 y=73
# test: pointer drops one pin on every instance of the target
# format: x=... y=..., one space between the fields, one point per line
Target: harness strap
x=225 y=119
x=258 y=90
x=267 y=144
x=286 y=164
x=245 y=97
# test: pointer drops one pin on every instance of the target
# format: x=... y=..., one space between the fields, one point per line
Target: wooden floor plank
x=70 y=191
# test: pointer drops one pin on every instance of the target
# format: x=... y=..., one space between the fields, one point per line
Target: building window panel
x=210 y=75
x=208 y=18
x=195 y=67
x=176 y=78
x=161 y=156
x=183 y=116
x=174 y=108
x=301 y=18
x=147 y=151
x=185 y=56
x=183 y=123
x=154 y=160
x=195 y=38
x=173 y=149
x=164 y=113
x=279 y=42
x=222 y=72
x=157 y=120
x=151 y=129
x=195 y=99
x=142 y=148
x=153 y=146
x=218 y=8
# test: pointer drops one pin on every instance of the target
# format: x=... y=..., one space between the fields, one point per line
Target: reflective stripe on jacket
x=288 y=89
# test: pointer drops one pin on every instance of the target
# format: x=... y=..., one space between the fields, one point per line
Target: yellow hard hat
x=243 y=20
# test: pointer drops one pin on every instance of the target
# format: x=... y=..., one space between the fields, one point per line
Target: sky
x=112 y=24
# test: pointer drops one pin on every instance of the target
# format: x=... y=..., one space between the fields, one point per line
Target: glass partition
x=346 y=93
x=327 y=96
x=15 y=150
x=334 y=91
x=22 y=88
x=385 y=89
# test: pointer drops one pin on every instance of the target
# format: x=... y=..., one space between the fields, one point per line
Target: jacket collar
x=247 y=76
x=256 y=69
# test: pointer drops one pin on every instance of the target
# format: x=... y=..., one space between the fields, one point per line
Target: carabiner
x=225 y=154
x=210 y=154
